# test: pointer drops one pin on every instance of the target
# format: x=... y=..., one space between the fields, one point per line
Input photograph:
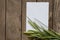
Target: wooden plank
x=24 y=17
x=56 y=16
x=2 y=19
x=51 y=5
x=13 y=20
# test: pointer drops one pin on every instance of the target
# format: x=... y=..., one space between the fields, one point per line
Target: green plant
x=40 y=32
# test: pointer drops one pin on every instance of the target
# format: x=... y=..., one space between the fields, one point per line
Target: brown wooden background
x=13 y=15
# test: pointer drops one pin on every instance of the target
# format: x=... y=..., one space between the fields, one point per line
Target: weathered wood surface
x=15 y=10
x=24 y=17
x=56 y=16
x=13 y=20
x=2 y=19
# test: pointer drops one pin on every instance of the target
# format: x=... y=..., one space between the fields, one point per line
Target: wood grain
x=56 y=16
x=24 y=17
x=2 y=19
x=13 y=20
x=51 y=5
